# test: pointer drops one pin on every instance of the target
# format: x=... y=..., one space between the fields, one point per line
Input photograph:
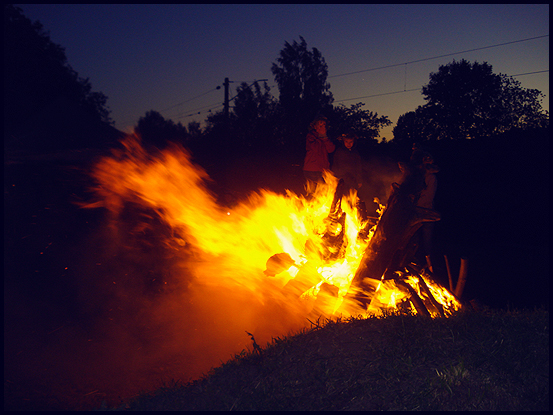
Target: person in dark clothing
x=318 y=147
x=421 y=183
x=347 y=163
x=426 y=201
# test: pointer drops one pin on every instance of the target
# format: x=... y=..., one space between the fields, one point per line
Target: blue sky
x=171 y=58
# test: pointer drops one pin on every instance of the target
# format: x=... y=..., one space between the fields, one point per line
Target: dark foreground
x=482 y=361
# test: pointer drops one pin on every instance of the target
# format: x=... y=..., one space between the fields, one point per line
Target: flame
x=270 y=245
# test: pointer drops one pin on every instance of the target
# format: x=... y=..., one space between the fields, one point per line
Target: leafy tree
x=37 y=76
x=253 y=115
x=301 y=76
x=259 y=121
x=250 y=124
x=364 y=123
x=194 y=129
x=523 y=106
x=156 y=131
x=416 y=126
x=467 y=100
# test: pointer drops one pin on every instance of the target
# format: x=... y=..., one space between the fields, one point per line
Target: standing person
x=318 y=147
x=347 y=163
x=426 y=200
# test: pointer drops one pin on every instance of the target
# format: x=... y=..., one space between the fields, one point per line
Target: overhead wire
x=427 y=59
x=197 y=111
x=191 y=99
x=418 y=89
x=214 y=106
x=436 y=57
x=530 y=73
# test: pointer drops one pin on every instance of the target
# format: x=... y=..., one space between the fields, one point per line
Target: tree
x=301 y=76
x=251 y=123
x=416 y=126
x=194 y=129
x=37 y=78
x=467 y=100
x=253 y=115
x=157 y=131
x=363 y=123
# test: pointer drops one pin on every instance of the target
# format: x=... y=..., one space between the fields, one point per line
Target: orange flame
x=271 y=245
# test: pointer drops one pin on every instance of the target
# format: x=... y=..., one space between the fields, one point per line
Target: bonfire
x=316 y=256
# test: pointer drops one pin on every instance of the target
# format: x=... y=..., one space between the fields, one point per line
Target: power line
x=379 y=95
x=530 y=73
x=213 y=106
x=199 y=110
x=437 y=57
x=258 y=80
x=418 y=89
x=191 y=99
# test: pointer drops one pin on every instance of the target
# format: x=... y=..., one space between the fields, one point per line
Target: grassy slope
x=493 y=360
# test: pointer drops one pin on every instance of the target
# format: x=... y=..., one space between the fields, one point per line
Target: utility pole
x=226 y=104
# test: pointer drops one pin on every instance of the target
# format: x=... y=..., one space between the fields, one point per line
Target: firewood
x=385 y=251
x=426 y=290
x=414 y=298
x=448 y=274
x=462 y=278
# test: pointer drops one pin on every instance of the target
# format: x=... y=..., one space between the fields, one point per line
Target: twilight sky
x=171 y=58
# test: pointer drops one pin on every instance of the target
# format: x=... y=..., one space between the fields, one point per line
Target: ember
x=322 y=254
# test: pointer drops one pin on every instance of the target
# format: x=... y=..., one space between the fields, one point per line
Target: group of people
x=347 y=165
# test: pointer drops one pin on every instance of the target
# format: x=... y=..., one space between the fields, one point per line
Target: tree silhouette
x=364 y=124
x=301 y=76
x=467 y=100
x=253 y=115
x=40 y=84
x=156 y=131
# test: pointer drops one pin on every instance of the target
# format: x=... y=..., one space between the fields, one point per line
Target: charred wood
x=333 y=238
x=449 y=274
x=386 y=250
x=431 y=298
x=462 y=278
x=414 y=298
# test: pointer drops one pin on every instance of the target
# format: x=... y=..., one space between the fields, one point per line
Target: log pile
x=389 y=253
x=387 y=250
x=386 y=259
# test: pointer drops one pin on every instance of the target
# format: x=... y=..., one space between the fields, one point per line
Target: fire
x=283 y=246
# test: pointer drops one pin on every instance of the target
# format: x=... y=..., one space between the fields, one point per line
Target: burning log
x=278 y=263
x=414 y=297
x=431 y=298
x=383 y=268
x=386 y=250
x=333 y=237
x=448 y=274
x=461 y=280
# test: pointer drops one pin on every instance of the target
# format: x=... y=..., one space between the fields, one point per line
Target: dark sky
x=171 y=58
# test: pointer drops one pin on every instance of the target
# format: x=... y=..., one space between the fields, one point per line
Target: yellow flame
x=233 y=246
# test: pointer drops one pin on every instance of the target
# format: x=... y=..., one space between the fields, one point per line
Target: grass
x=492 y=360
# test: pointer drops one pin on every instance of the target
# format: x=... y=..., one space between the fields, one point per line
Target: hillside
x=492 y=360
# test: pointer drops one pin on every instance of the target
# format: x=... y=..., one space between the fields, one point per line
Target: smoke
x=378 y=175
x=150 y=301
x=152 y=308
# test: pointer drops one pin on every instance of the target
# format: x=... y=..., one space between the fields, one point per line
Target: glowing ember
x=271 y=245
